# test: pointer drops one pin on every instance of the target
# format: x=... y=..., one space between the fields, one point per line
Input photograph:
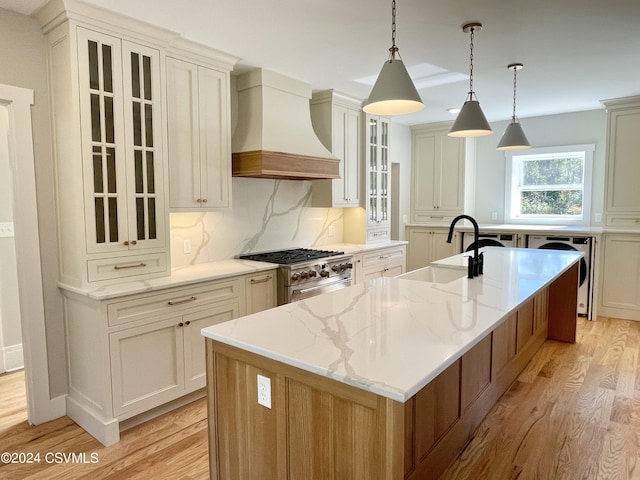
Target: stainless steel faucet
x=476 y=263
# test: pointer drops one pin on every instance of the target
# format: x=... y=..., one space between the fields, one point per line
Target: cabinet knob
x=198 y=200
x=187 y=322
x=126 y=242
x=204 y=200
x=180 y=324
x=134 y=242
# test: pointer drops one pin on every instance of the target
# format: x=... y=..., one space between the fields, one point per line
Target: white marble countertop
x=519 y=228
x=392 y=336
x=180 y=276
x=202 y=272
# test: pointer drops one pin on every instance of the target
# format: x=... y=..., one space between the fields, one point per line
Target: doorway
x=17 y=138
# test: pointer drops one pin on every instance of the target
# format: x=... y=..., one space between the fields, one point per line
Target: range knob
x=295 y=276
x=343 y=267
x=304 y=275
x=335 y=268
x=312 y=273
x=324 y=273
x=349 y=265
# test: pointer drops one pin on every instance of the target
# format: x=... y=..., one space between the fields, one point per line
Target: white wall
x=10 y=333
x=400 y=142
x=24 y=64
x=553 y=130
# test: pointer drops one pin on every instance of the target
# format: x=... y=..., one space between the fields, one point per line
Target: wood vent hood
x=274 y=137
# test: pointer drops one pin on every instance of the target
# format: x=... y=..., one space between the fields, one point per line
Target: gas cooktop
x=291 y=257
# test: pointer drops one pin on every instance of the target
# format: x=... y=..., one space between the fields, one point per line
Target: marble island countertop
x=392 y=336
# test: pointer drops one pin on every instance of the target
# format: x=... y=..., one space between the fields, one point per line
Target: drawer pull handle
x=136 y=265
x=440 y=217
x=262 y=280
x=385 y=256
x=180 y=302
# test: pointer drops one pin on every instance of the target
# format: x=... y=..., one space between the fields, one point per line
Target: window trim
x=510 y=190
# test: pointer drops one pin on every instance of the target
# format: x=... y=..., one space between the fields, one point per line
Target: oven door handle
x=319 y=287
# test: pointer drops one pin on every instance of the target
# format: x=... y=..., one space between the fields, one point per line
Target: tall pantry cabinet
x=131 y=350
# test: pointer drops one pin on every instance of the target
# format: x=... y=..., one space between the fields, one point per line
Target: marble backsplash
x=265 y=215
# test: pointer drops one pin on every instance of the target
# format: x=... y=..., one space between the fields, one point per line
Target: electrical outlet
x=6 y=229
x=186 y=246
x=332 y=231
x=598 y=218
x=264 y=391
x=494 y=215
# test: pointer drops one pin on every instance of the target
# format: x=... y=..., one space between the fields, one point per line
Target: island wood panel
x=505 y=366
x=525 y=325
x=316 y=428
x=541 y=313
x=562 y=308
x=504 y=343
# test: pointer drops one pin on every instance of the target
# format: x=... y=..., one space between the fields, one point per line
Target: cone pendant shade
x=393 y=93
x=470 y=122
x=513 y=138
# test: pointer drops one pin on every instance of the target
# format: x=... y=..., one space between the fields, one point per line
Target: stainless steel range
x=304 y=272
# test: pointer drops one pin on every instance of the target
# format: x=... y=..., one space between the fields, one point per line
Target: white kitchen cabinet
x=109 y=154
x=622 y=208
x=384 y=262
x=128 y=355
x=378 y=177
x=337 y=121
x=620 y=285
x=428 y=244
x=199 y=136
x=438 y=175
x=260 y=292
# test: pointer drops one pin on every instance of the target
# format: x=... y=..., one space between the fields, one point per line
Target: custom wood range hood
x=274 y=137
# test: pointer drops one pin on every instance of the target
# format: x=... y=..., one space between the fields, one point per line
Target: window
x=549 y=185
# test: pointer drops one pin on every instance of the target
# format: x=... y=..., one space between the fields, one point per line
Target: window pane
x=94 y=81
x=100 y=236
x=139 y=179
x=97 y=170
x=113 y=219
x=106 y=68
x=140 y=218
x=146 y=64
x=554 y=171
x=151 y=182
x=148 y=125
x=111 y=170
x=96 y=136
x=135 y=75
x=137 y=125
x=108 y=119
x=551 y=202
x=152 y=218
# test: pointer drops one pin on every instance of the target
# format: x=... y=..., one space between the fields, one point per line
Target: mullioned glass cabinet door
x=120 y=115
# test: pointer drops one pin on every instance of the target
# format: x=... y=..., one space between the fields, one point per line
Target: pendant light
x=470 y=122
x=393 y=93
x=513 y=137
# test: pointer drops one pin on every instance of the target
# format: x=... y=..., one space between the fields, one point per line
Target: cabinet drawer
x=623 y=221
x=172 y=302
x=378 y=234
x=122 y=267
x=383 y=257
x=433 y=218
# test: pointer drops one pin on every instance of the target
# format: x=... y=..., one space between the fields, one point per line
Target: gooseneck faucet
x=475 y=266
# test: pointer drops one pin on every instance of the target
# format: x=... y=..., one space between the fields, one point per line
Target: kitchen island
x=384 y=380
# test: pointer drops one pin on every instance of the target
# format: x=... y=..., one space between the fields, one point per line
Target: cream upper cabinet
x=438 y=175
x=199 y=136
x=378 y=177
x=337 y=121
x=109 y=154
x=623 y=163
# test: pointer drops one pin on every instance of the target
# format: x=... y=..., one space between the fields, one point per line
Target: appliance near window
x=579 y=244
x=304 y=273
x=487 y=240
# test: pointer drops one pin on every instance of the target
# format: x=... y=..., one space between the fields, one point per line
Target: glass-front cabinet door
x=119 y=98
x=378 y=168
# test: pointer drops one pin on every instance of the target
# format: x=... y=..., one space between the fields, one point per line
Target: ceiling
x=575 y=52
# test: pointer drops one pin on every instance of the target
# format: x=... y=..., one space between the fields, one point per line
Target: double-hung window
x=550 y=185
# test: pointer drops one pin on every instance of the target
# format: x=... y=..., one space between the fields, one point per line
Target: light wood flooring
x=574 y=413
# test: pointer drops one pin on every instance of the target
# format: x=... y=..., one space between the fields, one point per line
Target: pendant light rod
x=471 y=27
x=515 y=67
x=394 y=92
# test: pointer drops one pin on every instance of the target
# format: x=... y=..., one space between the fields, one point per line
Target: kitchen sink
x=434 y=274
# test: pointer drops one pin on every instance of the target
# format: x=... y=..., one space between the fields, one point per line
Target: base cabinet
x=386 y=262
x=620 y=285
x=428 y=244
x=129 y=355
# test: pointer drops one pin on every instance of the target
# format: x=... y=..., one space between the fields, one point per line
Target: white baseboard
x=106 y=432
x=11 y=358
